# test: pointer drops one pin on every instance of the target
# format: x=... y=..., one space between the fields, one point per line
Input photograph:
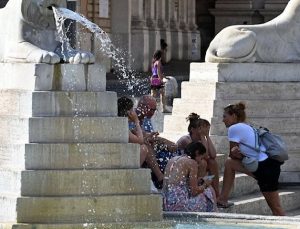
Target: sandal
x=225 y=205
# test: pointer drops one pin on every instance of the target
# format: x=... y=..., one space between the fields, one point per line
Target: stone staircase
x=80 y=169
x=272 y=96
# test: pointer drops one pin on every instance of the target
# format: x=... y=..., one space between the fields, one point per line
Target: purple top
x=154 y=70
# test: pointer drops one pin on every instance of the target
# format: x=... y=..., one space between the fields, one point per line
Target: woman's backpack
x=275 y=146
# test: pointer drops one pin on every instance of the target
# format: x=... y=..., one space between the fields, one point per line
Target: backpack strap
x=257 y=143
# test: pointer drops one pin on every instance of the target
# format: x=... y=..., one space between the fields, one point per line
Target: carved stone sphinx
x=28 y=34
x=277 y=41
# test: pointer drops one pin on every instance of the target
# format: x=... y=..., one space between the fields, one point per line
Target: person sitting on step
x=199 y=132
x=181 y=190
x=163 y=148
x=125 y=109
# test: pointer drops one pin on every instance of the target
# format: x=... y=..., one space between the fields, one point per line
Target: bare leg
x=154 y=93
x=152 y=163
x=163 y=98
x=143 y=153
x=273 y=201
x=231 y=166
x=214 y=170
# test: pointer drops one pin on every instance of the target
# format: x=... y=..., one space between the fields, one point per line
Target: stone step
x=82 y=156
x=8 y=202
x=256 y=204
x=178 y=123
x=10 y=180
x=222 y=145
x=295 y=213
x=254 y=108
x=74 y=104
x=292 y=177
x=275 y=125
x=244 y=72
x=15 y=102
x=243 y=185
x=14 y=130
x=92 y=209
x=139 y=225
x=236 y=90
x=6 y=225
x=12 y=156
x=85 y=182
x=78 y=129
x=58 y=77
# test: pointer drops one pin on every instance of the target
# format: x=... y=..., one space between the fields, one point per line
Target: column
x=137 y=13
x=193 y=35
x=272 y=8
x=121 y=32
x=151 y=22
x=139 y=37
x=236 y=12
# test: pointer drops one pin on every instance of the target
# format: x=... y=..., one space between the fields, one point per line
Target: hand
x=235 y=153
x=133 y=116
x=150 y=138
x=207 y=182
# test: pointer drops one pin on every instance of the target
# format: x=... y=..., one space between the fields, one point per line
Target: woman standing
x=181 y=190
x=268 y=170
x=156 y=80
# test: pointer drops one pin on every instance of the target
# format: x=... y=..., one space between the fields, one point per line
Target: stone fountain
x=257 y=64
x=80 y=170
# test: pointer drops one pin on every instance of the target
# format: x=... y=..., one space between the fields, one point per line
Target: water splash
x=133 y=80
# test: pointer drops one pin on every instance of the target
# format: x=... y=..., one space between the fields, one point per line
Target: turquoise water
x=220 y=226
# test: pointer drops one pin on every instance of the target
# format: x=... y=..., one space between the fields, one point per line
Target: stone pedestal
x=80 y=168
x=271 y=94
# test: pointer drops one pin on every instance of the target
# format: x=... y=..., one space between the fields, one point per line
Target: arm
x=172 y=147
x=193 y=180
x=235 y=152
x=206 y=141
x=137 y=136
x=211 y=148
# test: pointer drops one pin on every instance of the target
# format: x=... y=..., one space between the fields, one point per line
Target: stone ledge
x=235 y=72
x=45 y=77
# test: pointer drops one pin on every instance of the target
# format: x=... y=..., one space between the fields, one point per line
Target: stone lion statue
x=277 y=41
x=28 y=34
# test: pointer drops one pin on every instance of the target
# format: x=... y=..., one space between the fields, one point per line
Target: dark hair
x=124 y=105
x=195 y=148
x=156 y=56
x=163 y=44
x=196 y=121
x=238 y=109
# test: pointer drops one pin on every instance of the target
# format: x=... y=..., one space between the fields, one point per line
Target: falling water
x=124 y=72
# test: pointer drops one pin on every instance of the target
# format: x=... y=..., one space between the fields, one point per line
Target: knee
x=228 y=163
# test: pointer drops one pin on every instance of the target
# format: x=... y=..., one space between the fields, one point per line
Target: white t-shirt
x=244 y=133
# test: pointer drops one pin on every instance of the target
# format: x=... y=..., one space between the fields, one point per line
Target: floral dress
x=178 y=198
